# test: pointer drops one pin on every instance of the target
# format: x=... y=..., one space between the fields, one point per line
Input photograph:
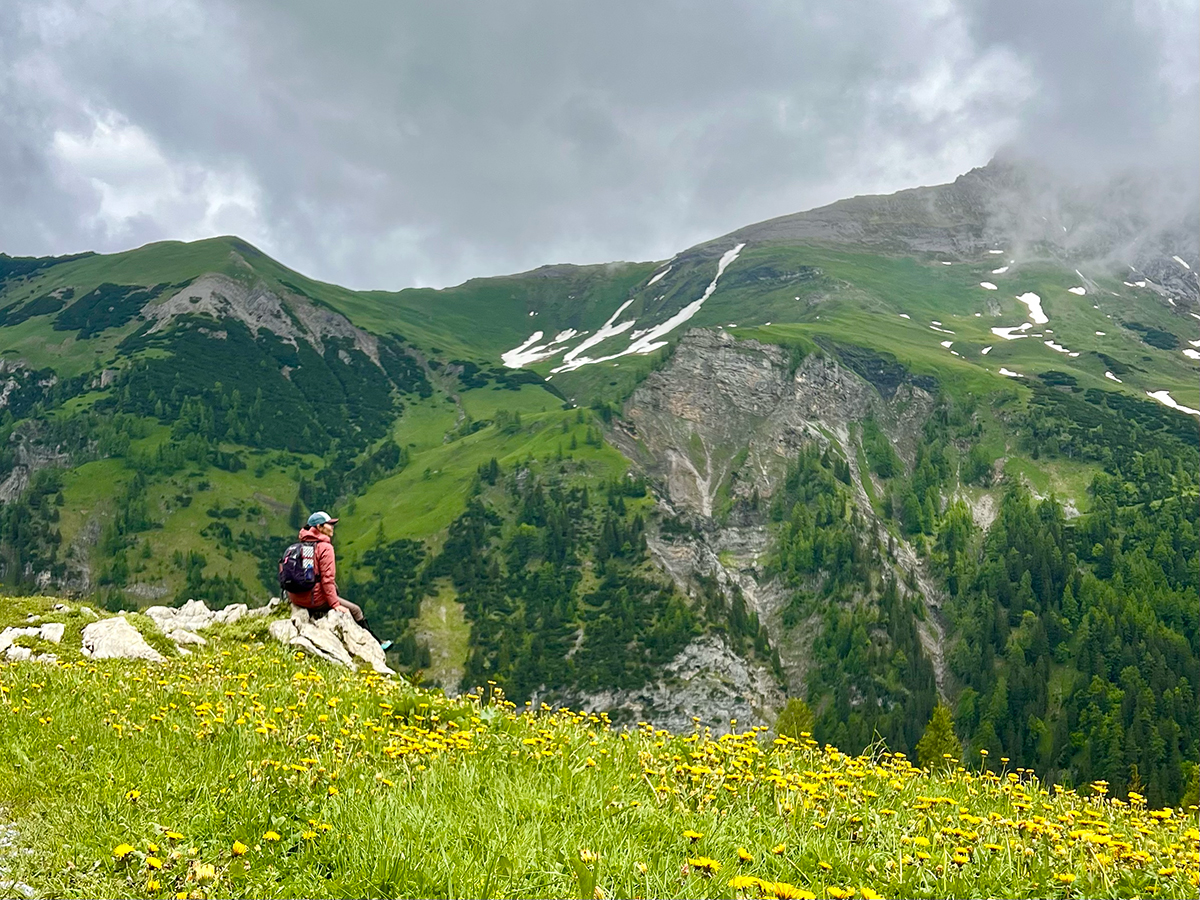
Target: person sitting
x=324 y=595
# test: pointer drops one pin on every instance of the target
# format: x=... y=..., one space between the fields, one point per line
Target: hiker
x=324 y=596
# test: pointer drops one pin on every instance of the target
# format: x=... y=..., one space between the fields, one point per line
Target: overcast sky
x=387 y=144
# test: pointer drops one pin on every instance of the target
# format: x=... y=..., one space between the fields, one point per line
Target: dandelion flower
x=271 y=836
x=132 y=796
x=205 y=871
x=239 y=849
x=173 y=836
x=784 y=891
x=743 y=882
x=778 y=849
x=1064 y=877
x=868 y=894
x=707 y=866
x=153 y=862
x=838 y=893
x=744 y=855
x=641 y=868
x=692 y=836
x=308 y=835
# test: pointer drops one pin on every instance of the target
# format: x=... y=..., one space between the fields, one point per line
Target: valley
x=898 y=451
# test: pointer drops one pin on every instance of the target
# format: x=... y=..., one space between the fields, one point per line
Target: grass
x=243 y=770
x=432 y=490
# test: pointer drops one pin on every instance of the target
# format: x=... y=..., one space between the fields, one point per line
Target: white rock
x=49 y=658
x=334 y=637
x=180 y=636
x=52 y=632
x=88 y=611
x=8 y=635
x=194 y=616
x=18 y=654
x=115 y=638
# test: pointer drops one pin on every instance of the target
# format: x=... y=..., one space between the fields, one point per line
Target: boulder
x=115 y=638
x=195 y=616
x=334 y=637
x=179 y=636
x=9 y=635
x=52 y=632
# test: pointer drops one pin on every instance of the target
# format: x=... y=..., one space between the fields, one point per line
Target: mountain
x=936 y=445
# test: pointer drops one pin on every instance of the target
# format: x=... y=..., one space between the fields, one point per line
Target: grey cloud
x=383 y=144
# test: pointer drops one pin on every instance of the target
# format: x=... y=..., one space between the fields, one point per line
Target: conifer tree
x=795 y=719
x=939 y=745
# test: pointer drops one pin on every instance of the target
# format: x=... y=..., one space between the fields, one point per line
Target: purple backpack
x=297 y=568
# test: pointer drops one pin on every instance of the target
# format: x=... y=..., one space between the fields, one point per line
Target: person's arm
x=329 y=575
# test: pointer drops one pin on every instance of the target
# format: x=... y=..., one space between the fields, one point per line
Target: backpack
x=297 y=568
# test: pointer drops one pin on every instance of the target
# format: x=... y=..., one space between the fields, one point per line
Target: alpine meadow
x=854 y=553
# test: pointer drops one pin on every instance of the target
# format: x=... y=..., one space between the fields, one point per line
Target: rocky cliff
x=715 y=431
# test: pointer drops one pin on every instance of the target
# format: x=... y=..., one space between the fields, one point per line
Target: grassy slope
x=244 y=771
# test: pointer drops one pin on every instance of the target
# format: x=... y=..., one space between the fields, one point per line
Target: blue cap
x=320 y=517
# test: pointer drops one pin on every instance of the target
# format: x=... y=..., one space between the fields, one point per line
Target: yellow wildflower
x=153 y=862
x=744 y=855
x=784 y=891
x=122 y=851
x=778 y=849
x=1064 y=877
x=692 y=836
x=239 y=849
x=706 y=865
x=838 y=893
x=271 y=836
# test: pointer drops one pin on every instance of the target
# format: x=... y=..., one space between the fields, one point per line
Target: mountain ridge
x=802 y=461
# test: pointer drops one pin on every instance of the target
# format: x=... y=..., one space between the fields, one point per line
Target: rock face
x=334 y=637
x=115 y=638
x=715 y=430
x=706 y=681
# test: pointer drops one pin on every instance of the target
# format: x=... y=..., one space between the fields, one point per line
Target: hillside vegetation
x=891 y=457
x=243 y=771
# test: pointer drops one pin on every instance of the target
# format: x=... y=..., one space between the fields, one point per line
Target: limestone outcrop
x=115 y=638
x=334 y=637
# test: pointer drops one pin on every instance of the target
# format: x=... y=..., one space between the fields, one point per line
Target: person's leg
x=354 y=609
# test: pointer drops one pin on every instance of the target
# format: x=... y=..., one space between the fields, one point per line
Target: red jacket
x=324 y=595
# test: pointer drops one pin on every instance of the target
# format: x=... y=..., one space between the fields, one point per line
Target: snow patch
x=905 y=316
x=996 y=252
x=987 y=285
x=944 y=263
x=947 y=344
x=1077 y=290
x=1194 y=343
x=1113 y=377
x=1100 y=334
x=1182 y=263
x=1000 y=271
x=651 y=340
x=531 y=351
x=607 y=330
x=658 y=276
x=1192 y=354
x=942 y=330
x=1008 y=333
x=1165 y=398
x=1004 y=371
x=1034 y=302
x=1057 y=347
x=986 y=350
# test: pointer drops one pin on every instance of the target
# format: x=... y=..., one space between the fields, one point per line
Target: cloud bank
x=383 y=145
